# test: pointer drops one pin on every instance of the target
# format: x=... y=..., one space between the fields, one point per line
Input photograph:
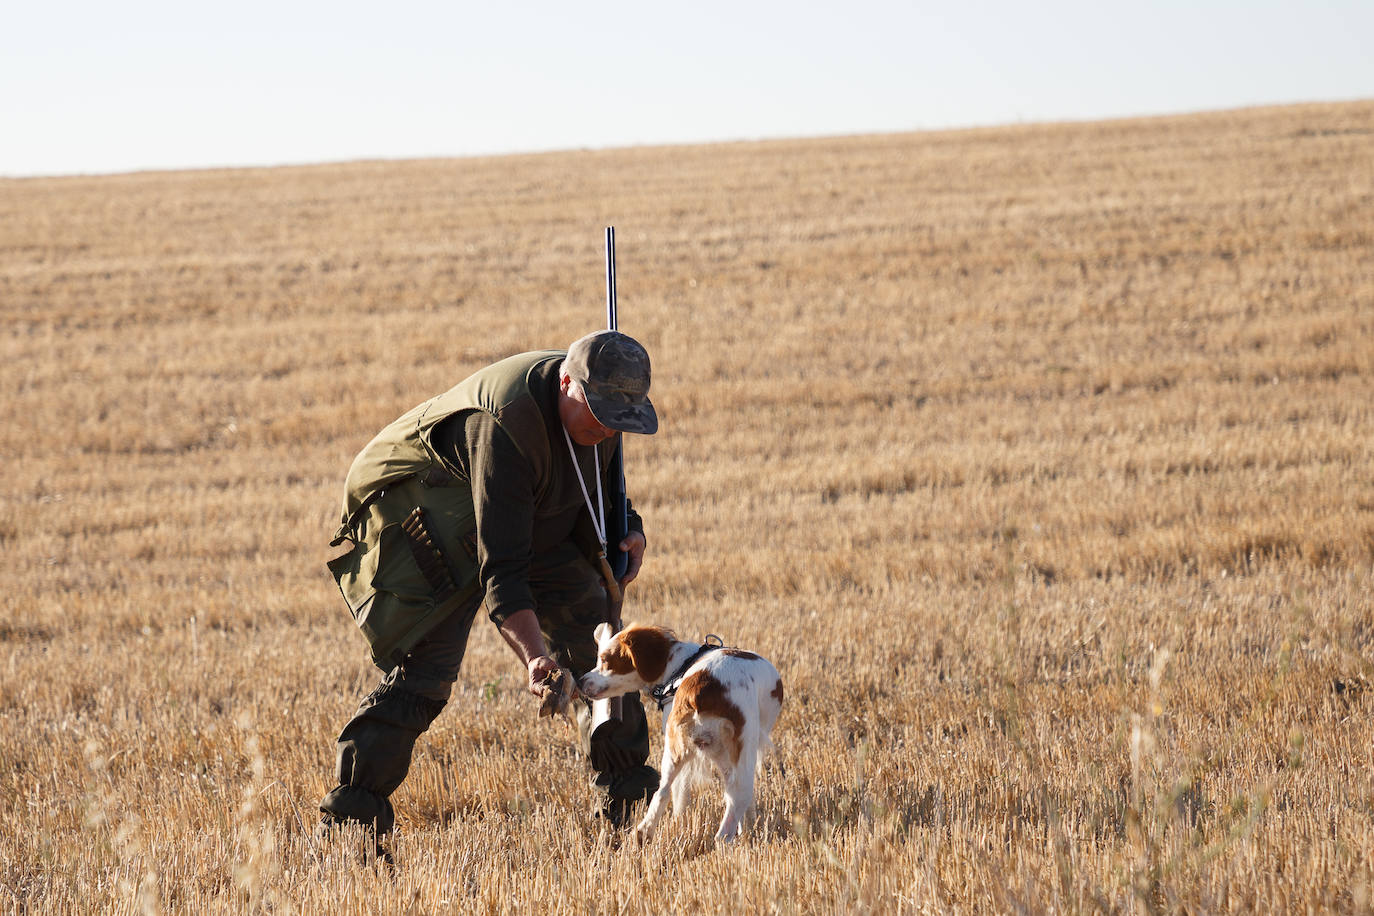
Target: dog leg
x=671 y=770
x=682 y=786
x=739 y=797
x=739 y=791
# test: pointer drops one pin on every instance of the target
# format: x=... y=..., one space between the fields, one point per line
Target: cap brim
x=625 y=418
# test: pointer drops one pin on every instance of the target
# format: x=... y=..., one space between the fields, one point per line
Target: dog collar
x=668 y=689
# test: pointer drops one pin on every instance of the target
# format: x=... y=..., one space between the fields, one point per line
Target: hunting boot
x=374 y=752
x=375 y=747
x=617 y=750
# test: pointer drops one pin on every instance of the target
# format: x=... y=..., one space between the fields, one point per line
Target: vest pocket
x=353 y=572
x=388 y=593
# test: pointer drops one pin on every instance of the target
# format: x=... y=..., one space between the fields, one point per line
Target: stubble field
x=1038 y=460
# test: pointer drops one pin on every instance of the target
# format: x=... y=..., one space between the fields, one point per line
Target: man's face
x=582 y=426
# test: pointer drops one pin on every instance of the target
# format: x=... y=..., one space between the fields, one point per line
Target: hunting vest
x=391 y=594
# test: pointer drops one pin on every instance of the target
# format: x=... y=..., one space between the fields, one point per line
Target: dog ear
x=603 y=634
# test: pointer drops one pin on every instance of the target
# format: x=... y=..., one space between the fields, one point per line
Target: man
x=490 y=494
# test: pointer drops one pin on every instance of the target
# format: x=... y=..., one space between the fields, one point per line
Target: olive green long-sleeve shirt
x=516 y=521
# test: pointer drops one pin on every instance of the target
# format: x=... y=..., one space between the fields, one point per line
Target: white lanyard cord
x=598 y=517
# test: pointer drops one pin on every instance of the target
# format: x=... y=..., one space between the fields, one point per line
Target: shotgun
x=608 y=712
x=617 y=519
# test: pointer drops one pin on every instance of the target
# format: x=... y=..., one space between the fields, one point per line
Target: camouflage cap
x=613 y=370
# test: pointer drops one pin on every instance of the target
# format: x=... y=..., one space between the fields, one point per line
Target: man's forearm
x=521 y=632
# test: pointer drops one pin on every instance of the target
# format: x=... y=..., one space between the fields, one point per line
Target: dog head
x=634 y=658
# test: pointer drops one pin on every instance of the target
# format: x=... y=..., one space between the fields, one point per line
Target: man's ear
x=603 y=632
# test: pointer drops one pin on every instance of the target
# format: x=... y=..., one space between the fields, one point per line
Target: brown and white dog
x=718 y=704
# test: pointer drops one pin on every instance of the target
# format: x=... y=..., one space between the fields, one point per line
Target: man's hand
x=540 y=668
x=633 y=546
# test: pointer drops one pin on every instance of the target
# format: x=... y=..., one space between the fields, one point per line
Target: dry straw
x=1036 y=458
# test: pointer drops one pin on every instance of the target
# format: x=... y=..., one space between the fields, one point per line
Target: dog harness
x=668 y=689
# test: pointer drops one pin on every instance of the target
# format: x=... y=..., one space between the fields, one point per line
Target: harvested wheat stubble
x=1036 y=458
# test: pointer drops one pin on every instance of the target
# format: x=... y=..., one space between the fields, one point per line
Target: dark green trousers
x=376 y=746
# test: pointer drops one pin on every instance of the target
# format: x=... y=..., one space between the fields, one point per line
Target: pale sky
x=125 y=85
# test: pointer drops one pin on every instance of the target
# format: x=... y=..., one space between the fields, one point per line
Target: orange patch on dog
x=617 y=659
x=777 y=692
x=700 y=696
x=647 y=648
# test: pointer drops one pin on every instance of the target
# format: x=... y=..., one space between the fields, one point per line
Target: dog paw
x=727 y=832
x=644 y=833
